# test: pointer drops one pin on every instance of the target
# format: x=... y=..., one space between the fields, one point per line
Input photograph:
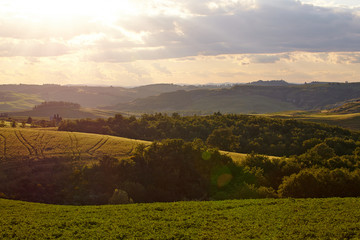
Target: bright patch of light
x=69 y=8
x=334 y=3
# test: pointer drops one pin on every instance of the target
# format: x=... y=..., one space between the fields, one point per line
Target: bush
x=120 y=197
x=321 y=182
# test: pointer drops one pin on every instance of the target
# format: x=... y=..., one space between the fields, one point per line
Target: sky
x=140 y=42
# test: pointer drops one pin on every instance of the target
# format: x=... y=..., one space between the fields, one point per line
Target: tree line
x=318 y=161
x=175 y=170
x=231 y=132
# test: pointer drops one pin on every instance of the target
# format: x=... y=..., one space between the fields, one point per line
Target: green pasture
x=11 y=101
x=350 y=121
x=332 y=218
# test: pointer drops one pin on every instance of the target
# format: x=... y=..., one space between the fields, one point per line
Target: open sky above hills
x=141 y=42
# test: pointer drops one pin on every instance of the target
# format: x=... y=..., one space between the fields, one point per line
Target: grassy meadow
x=332 y=218
x=350 y=121
x=12 y=101
x=238 y=157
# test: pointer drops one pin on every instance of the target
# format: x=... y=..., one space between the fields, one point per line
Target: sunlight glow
x=70 y=8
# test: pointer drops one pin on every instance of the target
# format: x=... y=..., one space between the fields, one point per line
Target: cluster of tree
x=238 y=133
x=174 y=170
x=36 y=181
x=319 y=172
x=55 y=104
x=170 y=170
x=56 y=118
x=31 y=122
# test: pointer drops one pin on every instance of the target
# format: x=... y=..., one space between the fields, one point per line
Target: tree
x=321 y=182
x=317 y=155
x=224 y=139
x=29 y=120
x=120 y=197
x=13 y=124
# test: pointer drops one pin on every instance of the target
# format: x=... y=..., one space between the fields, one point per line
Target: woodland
x=285 y=158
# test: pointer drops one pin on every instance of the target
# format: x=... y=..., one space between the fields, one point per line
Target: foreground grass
x=332 y=218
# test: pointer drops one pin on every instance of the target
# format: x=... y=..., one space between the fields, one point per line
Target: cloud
x=273 y=58
x=231 y=74
x=165 y=29
x=31 y=48
x=136 y=70
x=267 y=27
x=161 y=69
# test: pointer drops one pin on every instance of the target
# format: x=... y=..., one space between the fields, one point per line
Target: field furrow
x=21 y=140
x=3 y=148
x=40 y=144
x=96 y=146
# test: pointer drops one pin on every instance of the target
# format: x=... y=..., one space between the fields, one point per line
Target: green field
x=12 y=101
x=65 y=113
x=238 y=157
x=41 y=144
x=332 y=218
x=350 y=121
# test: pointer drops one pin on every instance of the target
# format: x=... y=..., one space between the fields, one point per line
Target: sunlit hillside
x=40 y=144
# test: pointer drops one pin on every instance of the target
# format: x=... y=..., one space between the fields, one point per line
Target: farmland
x=44 y=143
x=350 y=120
x=41 y=144
x=332 y=218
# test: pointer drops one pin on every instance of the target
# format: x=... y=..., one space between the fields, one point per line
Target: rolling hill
x=206 y=102
x=256 y=97
x=37 y=144
x=346 y=120
x=63 y=109
x=24 y=97
x=247 y=99
x=15 y=101
x=352 y=106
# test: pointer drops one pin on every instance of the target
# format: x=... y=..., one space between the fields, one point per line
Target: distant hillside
x=257 y=97
x=205 y=102
x=24 y=97
x=350 y=120
x=270 y=83
x=13 y=101
x=247 y=99
x=63 y=109
x=352 y=106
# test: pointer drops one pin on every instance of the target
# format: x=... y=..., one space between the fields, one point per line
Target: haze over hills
x=63 y=109
x=256 y=97
x=248 y=99
x=23 y=97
